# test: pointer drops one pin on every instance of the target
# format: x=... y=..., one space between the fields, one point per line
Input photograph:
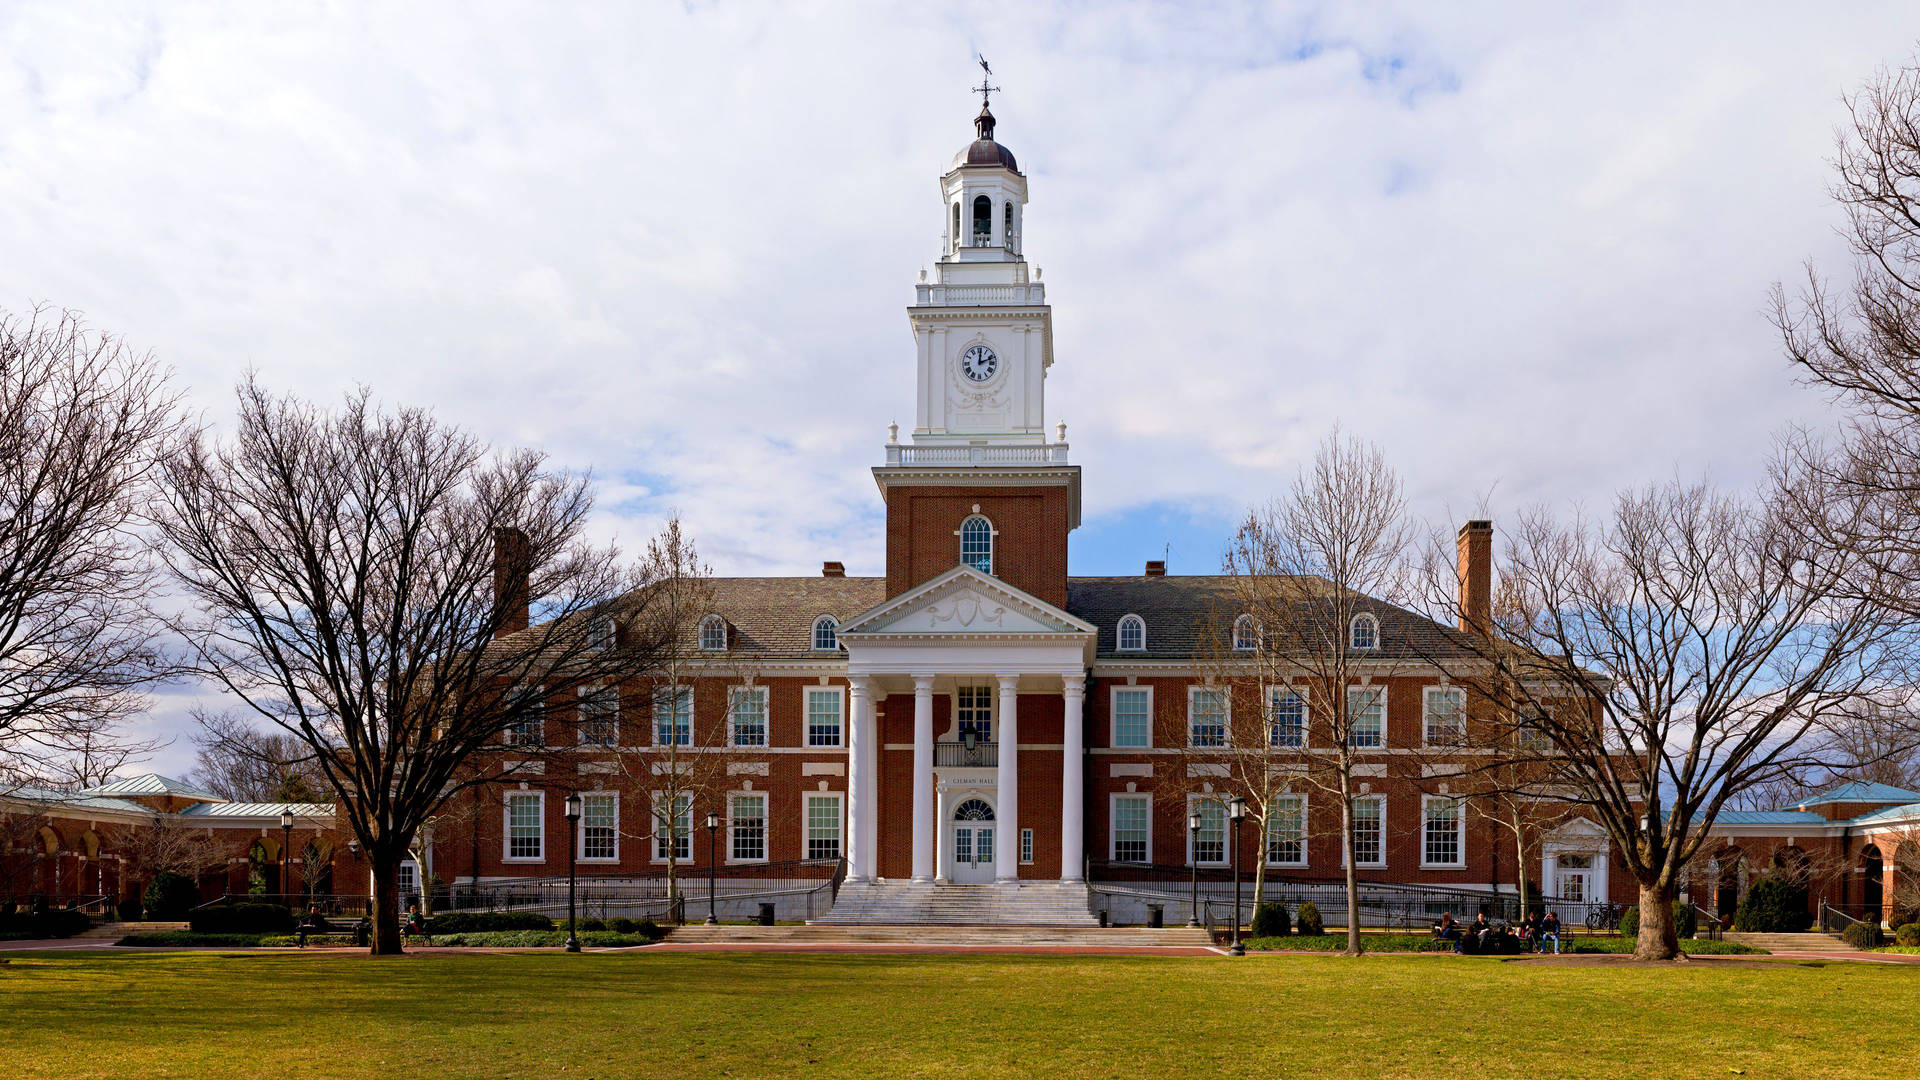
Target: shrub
x=1309 y=922
x=176 y=938
x=623 y=925
x=170 y=896
x=470 y=922
x=51 y=923
x=1908 y=935
x=1897 y=919
x=241 y=919
x=1270 y=920
x=1772 y=906
x=1686 y=921
x=128 y=910
x=1861 y=935
x=593 y=924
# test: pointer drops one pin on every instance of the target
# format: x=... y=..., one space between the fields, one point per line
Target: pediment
x=964 y=601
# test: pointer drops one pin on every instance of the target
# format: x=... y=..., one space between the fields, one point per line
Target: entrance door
x=1574 y=888
x=972 y=843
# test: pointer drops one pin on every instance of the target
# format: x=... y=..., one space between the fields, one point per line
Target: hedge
x=177 y=938
x=1862 y=935
x=241 y=919
x=1270 y=920
x=462 y=922
x=169 y=896
x=1908 y=935
x=1773 y=906
x=1686 y=921
x=52 y=923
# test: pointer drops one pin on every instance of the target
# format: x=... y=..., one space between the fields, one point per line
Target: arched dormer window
x=976 y=543
x=1133 y=634
x=982 y=221
x=713 y=634
x=1245 y=637
x=826 y=634
x=1364 y=632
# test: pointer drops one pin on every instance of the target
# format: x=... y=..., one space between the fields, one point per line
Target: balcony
x=959 y=755
x=1045 y=454
x=1029 y=294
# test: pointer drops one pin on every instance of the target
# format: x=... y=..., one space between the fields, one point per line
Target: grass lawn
x=690 y=1015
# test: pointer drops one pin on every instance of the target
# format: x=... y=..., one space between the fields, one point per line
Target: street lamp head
x=286 y=819
x=1237 y=809
x=713 y=821
x=1193 y=822
x=353 y=848
x=573 y=807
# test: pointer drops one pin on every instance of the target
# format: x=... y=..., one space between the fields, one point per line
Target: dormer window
x=1364 y=633
x=976 y=543
x=1133 y=634
x=713 y=634
x=1245 y=637
x=982 y=221
x=600 y=635
x=826 y=634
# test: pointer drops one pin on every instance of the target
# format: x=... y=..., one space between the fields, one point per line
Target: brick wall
x=1029 y=548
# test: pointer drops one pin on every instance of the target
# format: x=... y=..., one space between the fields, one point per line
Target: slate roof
x=151 y=784
x=772 y=618
x=1178 y=610
x=1861 y=791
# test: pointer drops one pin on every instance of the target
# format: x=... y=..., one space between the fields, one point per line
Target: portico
x=980 y=647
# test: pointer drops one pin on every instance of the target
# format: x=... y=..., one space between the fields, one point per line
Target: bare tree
x=239 y=761
x=1647 y=668
x=164 y=844
x=23 y=821
x=1307 y=572
x=367 y=582
x=82 y=420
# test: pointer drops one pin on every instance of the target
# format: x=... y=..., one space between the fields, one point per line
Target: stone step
x=976 y=936
x=911 y=904
x=1792 y=942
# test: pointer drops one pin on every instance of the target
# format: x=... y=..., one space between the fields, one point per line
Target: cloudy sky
x=1524 y=247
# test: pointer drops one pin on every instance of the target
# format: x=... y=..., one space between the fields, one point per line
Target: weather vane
x=985 y=86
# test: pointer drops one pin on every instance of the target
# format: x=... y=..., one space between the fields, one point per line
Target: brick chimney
x=1156 y=568
x=512 y=579
x=833 y=569
x=1476 y=577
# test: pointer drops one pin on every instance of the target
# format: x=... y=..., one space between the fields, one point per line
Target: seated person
x=1446 y=929
x=1550 y=931
x=1481 y=931
x=315 y=923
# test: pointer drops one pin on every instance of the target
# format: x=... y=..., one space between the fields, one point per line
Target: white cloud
x=1520 y=245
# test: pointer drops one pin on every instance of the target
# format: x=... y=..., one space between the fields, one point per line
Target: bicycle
x=1604 y=916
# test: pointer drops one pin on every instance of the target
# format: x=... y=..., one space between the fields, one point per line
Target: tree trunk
x=1351 y=871
x=1520 y=861
x=1658 y=940
x=386 y=905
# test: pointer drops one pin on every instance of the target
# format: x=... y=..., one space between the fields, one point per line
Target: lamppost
x=573 y=822
x=1193 y=868
x=286 y=853
x=713 y=835
x=1236 y=813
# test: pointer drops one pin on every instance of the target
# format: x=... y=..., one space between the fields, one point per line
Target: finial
x=893 y=432
x=1061 y=431
x=985 y=88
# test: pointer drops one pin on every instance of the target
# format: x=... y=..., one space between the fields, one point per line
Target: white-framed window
x=747 y=827
x=1026 y=846
x=1206 y=717
x=1287 y=831
x=600 y=635
x=600 y=826
x=1208 y=847
x=599 y=716
x=1286 y=718
x=673 y=833
x=1446 y=715
x=1532 y=735
x=1442 y=832
x=526 y=830
x=1132 y=832
x=747 y=716
x=826 y=634
x=823 y=824
x=826 y=711
x=1132 y=635
x=673 y=716
x=1133 y=717
x=976 y=543
x=1366 y=717
x=713 y=634
x=1370 y=830
x=1363 y=634
x=1246 y=637
x=973 y=709
x=524 y=729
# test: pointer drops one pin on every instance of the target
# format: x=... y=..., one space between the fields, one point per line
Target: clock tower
x=979 y=458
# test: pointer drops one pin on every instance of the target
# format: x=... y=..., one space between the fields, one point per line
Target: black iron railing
x=949 y=755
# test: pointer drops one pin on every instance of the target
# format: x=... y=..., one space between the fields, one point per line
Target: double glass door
x=972 y=843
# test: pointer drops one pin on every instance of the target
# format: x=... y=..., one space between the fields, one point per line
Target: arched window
x=826 y=634
x=976 y=543
x=713 y=634
x=1245 y=637
x=1133 y=634
x=973 y=810
x=1007 y=233
x=1364 y=633
x=956 y=224
x=982 y=221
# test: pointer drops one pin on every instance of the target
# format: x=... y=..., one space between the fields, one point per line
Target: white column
x=923 y=778
x=860 y=808
x=943 y=808
x=1072 y=776
x=1006 y=834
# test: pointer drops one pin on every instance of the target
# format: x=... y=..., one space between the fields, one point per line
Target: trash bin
x=1103 y=916
x=1156 y=916
x=766 y=914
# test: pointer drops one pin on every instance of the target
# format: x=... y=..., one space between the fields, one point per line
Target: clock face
x=978 y=363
